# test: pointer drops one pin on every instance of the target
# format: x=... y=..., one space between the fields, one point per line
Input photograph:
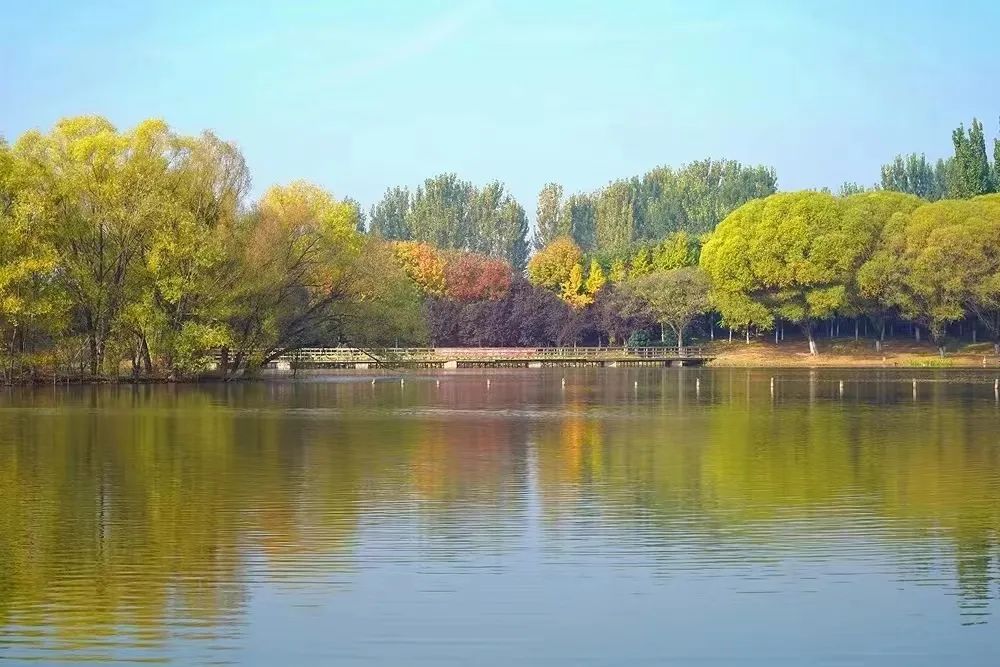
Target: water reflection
x=147 y=523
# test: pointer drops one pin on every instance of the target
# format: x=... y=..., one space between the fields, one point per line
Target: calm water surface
x=632 y=517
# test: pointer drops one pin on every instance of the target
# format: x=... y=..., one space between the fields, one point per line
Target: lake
x=539 y=517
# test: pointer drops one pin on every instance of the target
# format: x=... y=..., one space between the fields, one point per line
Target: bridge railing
x=355 y=355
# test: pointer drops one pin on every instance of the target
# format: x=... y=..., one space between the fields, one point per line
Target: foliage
x=551 y=266
x=791 y=256
x=673 y=297
x=473 y=277
x=423 y=264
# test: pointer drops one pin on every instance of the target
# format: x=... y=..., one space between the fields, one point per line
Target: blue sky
x=358 y=96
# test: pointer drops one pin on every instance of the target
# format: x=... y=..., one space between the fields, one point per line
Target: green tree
x=98 y=191
x=549 y=220
x=615 y=224
x=578 y=216
x=674 y=298
x=870 y=213
x=936 y=262
x=970 y=173
x=914 y=175
x=677 y=250
x=389 y=217
x=790 y=256
x=440 y=214
x=848 y=188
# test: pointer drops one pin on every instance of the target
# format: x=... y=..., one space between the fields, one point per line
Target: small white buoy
x=772 y=387
x=914 y=388
x=487 y=384
x=373 y=382
x=996 y=389
x=564 y=383
x=841 y=387
x=437 y=383
x=402 y=381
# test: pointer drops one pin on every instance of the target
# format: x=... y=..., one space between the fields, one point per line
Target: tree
x=674 y=298
x=96 y=191
x=550 y=222
x=848 y=188
x=473 y=277
x=423 y=264
x=677 y=250
x=578 y=218
x=970 y=173
x=308 y=278
x=596 y=279
x=551 y=266
x=615 y=218
x=618 y=271
x=29 y=296
x=870 y=213
x=914 y=175
x=573 y=289
x=936 y=262
x=641 y=264
x=389 y=217
x=440 y=213
x=511 y=234
x=790 y=256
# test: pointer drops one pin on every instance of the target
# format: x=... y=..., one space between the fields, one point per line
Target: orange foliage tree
x=423 y=264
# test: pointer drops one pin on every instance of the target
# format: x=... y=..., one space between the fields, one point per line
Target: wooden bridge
x=488 y=357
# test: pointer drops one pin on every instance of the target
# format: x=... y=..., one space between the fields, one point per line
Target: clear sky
x=358 y=96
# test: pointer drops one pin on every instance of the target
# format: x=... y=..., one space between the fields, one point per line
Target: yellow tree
x=551 y=266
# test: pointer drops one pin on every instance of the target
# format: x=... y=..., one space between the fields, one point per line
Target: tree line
x=966 y=173
x=139 y=248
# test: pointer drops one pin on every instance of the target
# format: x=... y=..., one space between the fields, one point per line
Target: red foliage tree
x=472 y=277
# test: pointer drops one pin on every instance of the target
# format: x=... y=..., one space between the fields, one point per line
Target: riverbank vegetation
x=140 y=252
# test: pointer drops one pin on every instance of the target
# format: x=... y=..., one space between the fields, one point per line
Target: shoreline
x=844 y=353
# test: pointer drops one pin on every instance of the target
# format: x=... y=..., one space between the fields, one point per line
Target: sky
x=360 y=96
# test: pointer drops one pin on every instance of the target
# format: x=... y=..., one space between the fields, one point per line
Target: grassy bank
x=848 y=352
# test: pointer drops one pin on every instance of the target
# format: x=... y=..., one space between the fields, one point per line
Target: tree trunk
x=680 y=340
x=730 y=334
x=808 y=330
x=147 y=361
x=92 y=344
x=856 y=332
x=916 y=332
x=748 y=334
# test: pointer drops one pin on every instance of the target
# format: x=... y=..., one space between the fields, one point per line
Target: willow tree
x=308 y=278
x=871 y=212
x=937 y=263
x=31 y=302
x=790 y=256
x=97 y=191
